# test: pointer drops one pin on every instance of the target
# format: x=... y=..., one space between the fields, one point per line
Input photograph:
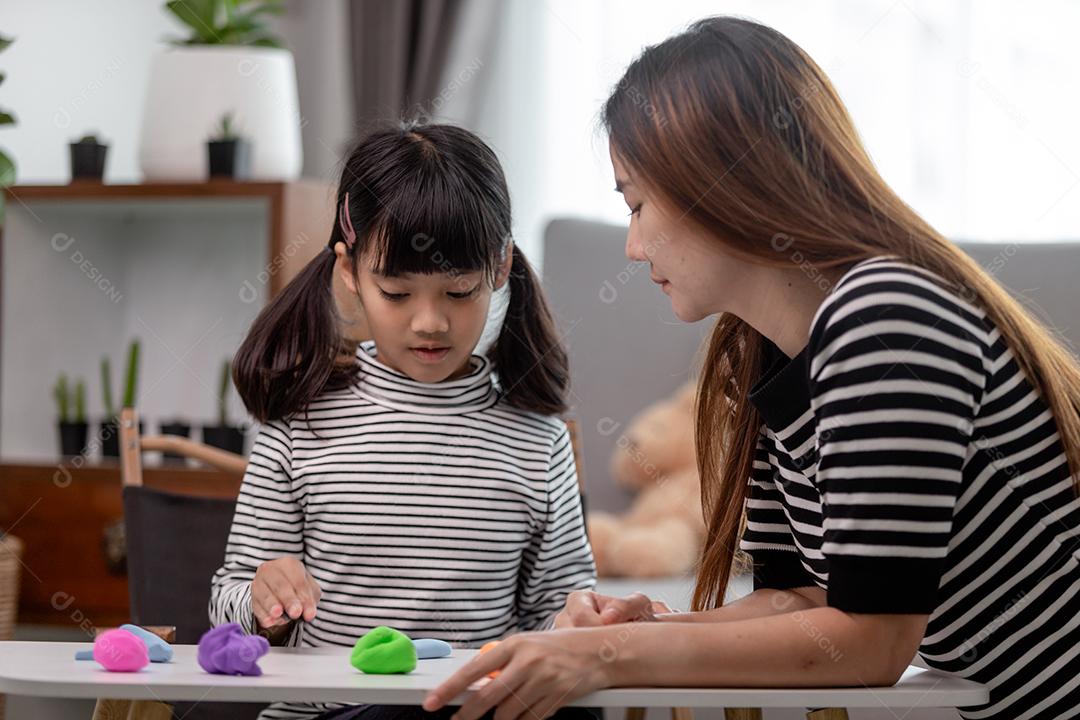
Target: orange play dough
x=487 y=646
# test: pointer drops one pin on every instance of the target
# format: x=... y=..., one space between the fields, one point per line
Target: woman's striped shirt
x=906 y=465
x=436 y=509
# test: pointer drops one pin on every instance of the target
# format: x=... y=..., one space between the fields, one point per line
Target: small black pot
x=176 y=427
x=110 y=437
x=88 y=161
x=73 y=438
x=225 y=437
x=229 y=158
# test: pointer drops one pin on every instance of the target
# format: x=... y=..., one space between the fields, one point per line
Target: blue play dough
x=156 y=648
x=427 y=648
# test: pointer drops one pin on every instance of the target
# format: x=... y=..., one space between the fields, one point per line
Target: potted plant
x=223 y=435
x=228 y=154
x=7 y=165
x=73 y=427
x=88 y=158
x=110 y=427
x=228 y=60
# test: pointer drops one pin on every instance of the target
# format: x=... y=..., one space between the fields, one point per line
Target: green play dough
x=384 y=651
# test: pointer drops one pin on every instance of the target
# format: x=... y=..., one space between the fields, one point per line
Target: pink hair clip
x=346 y=223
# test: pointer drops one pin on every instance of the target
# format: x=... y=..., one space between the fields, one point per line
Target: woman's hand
x=585 y=608
x=539 y=672
x=282 y=591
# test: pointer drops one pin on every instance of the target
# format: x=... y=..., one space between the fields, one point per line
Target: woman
x=909 y=433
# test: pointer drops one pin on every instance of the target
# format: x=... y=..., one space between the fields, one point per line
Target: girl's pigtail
x=288 y=356
x=529 y=358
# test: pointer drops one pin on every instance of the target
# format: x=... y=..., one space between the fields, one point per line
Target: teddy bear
x=661 y=533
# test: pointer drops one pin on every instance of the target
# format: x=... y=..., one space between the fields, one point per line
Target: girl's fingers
x=304 y=589
x=267 y=616
x=659 y=606
x=285 y=594
x=583 y=609
x=620 y=610
x=459 y=682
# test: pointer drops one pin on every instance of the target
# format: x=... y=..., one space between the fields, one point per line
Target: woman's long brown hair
x=734 y=125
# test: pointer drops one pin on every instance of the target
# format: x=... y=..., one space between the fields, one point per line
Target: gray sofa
x=627 y=348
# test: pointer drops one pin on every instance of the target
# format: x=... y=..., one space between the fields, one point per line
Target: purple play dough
x=227 y=650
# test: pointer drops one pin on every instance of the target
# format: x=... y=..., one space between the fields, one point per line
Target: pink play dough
x=121 y=651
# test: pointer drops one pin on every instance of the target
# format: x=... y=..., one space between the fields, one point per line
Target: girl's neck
x=465 y=368
x=381 y=384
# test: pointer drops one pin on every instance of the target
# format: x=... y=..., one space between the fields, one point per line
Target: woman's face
x=424 y=326
x=691 y=268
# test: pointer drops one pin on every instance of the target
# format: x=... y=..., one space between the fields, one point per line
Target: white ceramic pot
x=192 y=87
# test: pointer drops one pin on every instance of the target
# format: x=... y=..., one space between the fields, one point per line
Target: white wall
x=77 y=67
x=81 y=66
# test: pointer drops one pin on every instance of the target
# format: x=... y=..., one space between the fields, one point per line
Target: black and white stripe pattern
x=435 y=509
x=907 y=465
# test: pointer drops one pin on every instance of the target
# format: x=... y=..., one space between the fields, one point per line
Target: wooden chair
x=174 y=544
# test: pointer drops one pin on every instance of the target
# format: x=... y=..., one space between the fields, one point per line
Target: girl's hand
x=539 y=672
x=283 y=591
x=585 y=608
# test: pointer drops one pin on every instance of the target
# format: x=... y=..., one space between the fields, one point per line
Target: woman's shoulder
x=887 y=282
x=884 y=302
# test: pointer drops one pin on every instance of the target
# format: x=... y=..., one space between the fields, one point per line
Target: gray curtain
x=399 y=49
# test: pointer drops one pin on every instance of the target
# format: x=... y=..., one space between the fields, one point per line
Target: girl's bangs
x=431 y=228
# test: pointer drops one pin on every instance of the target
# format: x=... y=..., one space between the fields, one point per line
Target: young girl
x=419 y=484
x=902 y=437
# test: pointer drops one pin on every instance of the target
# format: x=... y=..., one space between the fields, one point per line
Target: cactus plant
x=72 y=430
x=106 y=388
x=223 y=435
x=130 y=381
x=60 y=393
x=223 y=394
x=132 y=374
x=226 y=129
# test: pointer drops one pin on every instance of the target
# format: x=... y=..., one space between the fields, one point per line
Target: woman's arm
x=590 y=609
x=819 y=647
x=758 y=604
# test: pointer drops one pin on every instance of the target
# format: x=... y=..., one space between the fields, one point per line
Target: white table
x=48 y=669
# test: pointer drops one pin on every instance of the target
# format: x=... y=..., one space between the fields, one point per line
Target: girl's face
x=691 y=268
x=424 y=326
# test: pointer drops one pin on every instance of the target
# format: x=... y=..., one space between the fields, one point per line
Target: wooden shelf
x=301 y=211
x=86 y=190
x=60 y=512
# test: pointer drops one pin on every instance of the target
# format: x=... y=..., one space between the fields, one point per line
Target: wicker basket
x=10 y=567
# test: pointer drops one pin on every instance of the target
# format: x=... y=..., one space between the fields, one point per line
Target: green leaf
x=2 y=76
x=5 y=42
x=199 y=15
x=227 y=22
x=7 y=170
x=246 y=23
x=266 y=41
x=6 y=118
